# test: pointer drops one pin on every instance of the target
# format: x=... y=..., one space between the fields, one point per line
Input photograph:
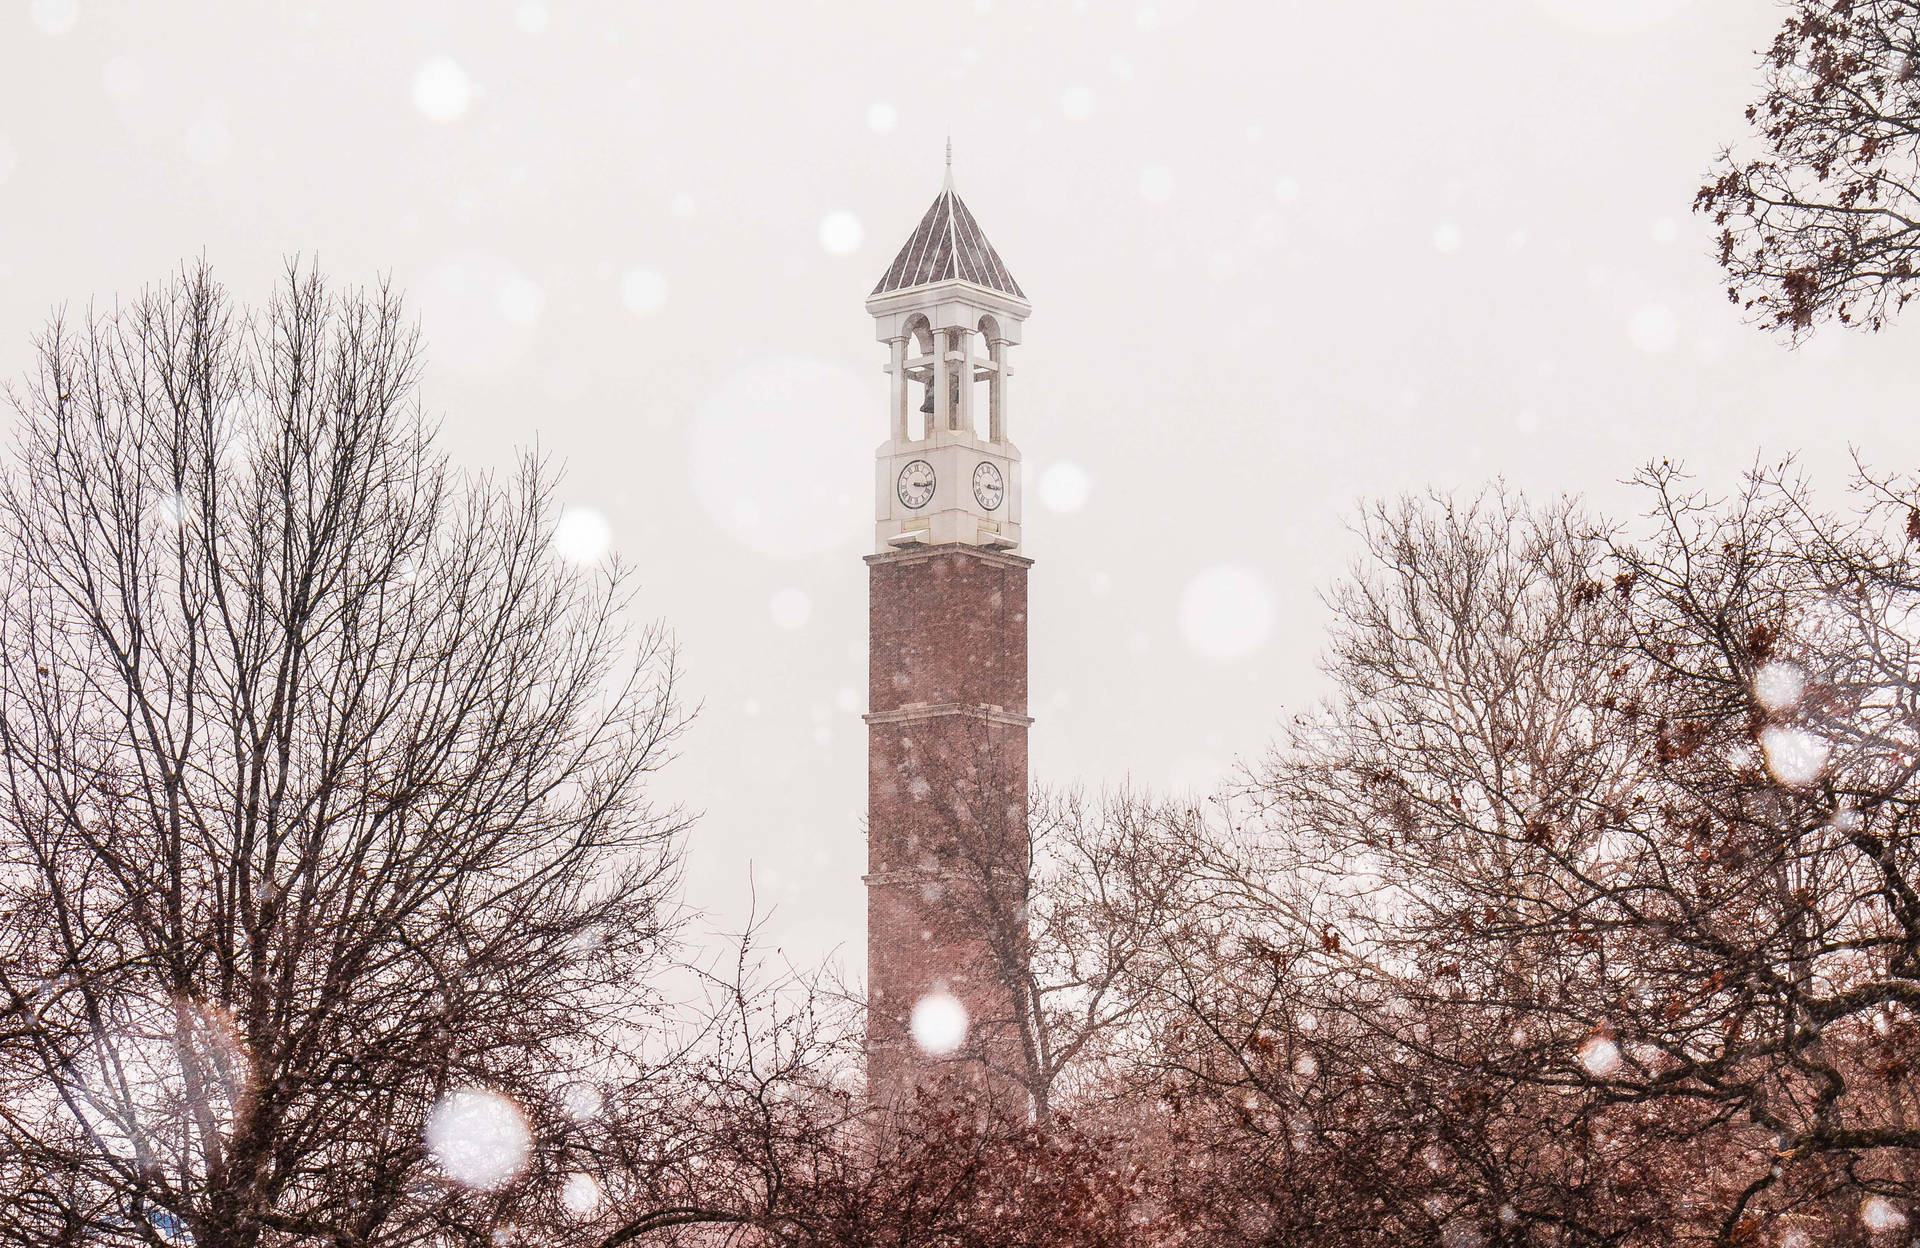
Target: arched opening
x=916 y=372
x=990 y=373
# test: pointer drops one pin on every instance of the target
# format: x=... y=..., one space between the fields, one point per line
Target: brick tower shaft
x=947 y=816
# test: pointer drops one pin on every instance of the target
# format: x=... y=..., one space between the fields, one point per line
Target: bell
x=926 y=405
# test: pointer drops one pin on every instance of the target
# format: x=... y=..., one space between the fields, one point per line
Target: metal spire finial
x=948 y=184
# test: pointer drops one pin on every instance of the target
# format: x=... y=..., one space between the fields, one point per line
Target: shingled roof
x=948 y=245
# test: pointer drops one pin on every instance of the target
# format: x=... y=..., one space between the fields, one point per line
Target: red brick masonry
x=946 y=803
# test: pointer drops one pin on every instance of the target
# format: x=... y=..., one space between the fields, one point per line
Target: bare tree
x=1825 y=220
x=326 y=786
x=1075 y=900
x=1582 y=908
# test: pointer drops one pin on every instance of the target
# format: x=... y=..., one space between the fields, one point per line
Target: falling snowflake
x=1064 y=487
x=477 y=1137
x=841 y=233
x=55 y=17
x=208 y=140
x=1612 y=17
x=1156 y=184
x=939 y=1023
x=1226 y=612
x=120 y=77
x=170 y=511
x=519 y=300
x=1599 y=1056
x=580 y=1194
x=791 y=608
x=582 y=1101
x=441 y=90
x=1654 y=328
x=1779 y=686
x=1878 y=1214
x=1795 y=756
x=582 y=535
x=643 y=291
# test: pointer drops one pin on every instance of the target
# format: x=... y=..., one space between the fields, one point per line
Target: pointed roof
x=948 y=245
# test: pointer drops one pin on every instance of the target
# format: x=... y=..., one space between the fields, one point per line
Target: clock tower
x=947 y=847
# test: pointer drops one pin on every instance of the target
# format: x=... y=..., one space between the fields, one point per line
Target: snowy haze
x=1282 y=257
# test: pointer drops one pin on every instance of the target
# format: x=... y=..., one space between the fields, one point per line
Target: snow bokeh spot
x=791 y=608
x=208 y=141
x=1795 y=756
x=582 y=1101
x=1880 y=1215
x=1076 y=103
x=1156 y=184
x=1612 y=17
x=841 y=233
x=882 y=117
x=582 y=535
x=1654 y=328
x=120 y=77
x=580 y=1194
x=939 y=1024
x=441 y=90
x=1226 y=612
x=1779 y=686
x=531 y=16
x=519 y=300
x=1447 y=239
x=643 y=291
x=1064 y=487
x=1599 y=1056
x=55 y=17
x=478 y=1138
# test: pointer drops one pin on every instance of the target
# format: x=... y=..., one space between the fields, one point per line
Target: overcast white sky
x=1283 y=256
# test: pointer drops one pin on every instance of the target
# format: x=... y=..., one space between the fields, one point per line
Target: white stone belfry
x=950 y=313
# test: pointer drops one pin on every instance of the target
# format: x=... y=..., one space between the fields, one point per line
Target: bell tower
x=947 y=847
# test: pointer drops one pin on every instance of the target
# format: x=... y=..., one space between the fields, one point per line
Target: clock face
x=915 y=486
x=988 y=486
